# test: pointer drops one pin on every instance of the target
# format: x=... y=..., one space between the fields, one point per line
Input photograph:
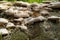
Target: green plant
x=30 y=1
x=10 y=0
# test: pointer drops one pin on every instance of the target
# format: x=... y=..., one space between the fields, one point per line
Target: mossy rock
x=16 y=35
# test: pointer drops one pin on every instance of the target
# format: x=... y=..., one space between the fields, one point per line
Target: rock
x=25 y=4
x=29 y=12
x=54 y=18
x=3 y=20
x=46 y=2
x=44 y=13
x=4 y=31
x=43 y=5
x=3 y=7
x=22 y=9
x=19 y=20
x=34 y=4
x=17 y=3
x=36 y=9
x=29 y=20
x=23 y=27
x=21 y=14
x=11 y=11
x=21 y=4
x=55 y=5
x=41 y=18
x=8 y=3
x=48 y=9
x=33 y=20
x=10 y=25
x=16 y=13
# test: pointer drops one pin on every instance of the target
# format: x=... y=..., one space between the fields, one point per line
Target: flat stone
x=48 y=9
x=40 y=18
x=8 y=3
x=32 y=20
x=19 y=19
x=11 y=11
x=44 y=12
x=10 y=25
x=21 y=14
x=43 y=5
x=54 y=18
x=3 y=7
x=3 y=20
x=22 y=9
x=4 y=31
x=36 y=9
x=23 y=27
x=55 y=5
x=34 y=4
x=21 y=4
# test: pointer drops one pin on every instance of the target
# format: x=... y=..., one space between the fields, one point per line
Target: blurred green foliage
x=30 y=1
x=10 y=0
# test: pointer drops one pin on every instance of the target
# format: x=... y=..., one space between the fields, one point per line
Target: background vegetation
x=31 y=1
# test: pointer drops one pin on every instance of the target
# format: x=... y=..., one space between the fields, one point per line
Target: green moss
x=16 y=34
